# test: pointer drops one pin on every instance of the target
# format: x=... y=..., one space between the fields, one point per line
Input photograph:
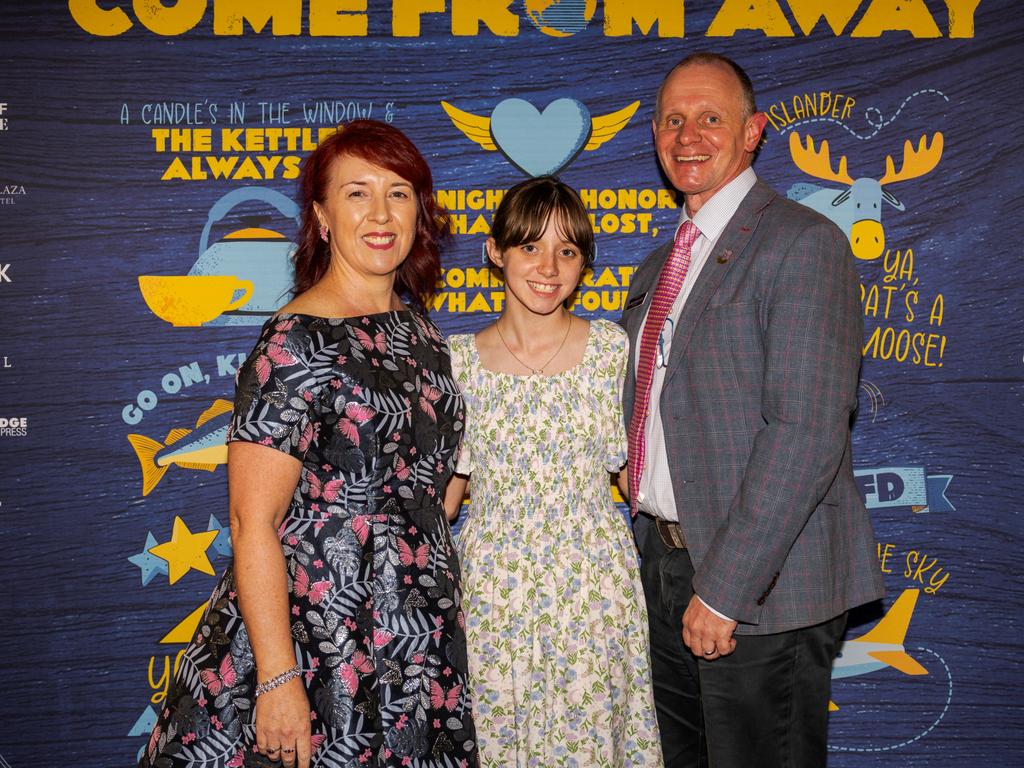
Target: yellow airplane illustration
x=881 y=646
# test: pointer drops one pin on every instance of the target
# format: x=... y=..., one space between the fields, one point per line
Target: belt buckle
x=671 y=534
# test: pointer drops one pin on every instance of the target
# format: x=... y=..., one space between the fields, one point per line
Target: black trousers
x=763 y=706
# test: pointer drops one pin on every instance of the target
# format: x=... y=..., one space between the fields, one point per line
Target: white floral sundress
x=559 y=664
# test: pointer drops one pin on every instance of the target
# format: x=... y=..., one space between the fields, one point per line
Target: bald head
x=746 y=87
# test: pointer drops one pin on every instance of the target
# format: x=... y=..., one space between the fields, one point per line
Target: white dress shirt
x=655 y=495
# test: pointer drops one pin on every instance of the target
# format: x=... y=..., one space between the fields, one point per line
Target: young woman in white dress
x=556 y=627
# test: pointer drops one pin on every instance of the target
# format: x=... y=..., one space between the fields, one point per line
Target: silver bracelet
x=274 y=682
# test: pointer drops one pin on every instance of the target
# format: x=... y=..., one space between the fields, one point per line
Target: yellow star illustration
x=185 y=551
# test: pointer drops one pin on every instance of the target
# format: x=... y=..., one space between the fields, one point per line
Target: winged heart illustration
x=540 y=142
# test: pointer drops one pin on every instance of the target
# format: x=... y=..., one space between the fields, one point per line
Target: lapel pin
x=636 y=301
x=724 y=257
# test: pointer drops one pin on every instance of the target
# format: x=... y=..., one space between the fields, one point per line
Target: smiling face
x=541 y=274
x=371 y=215
x=703 y=135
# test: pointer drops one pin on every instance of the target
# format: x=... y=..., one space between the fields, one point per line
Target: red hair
x=387 y=147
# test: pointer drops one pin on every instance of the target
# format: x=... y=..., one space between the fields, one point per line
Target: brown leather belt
x=671 y=534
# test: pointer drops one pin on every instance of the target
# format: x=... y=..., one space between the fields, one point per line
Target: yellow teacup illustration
x=191 y=300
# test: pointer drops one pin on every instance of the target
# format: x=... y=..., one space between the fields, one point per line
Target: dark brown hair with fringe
x=525 y=210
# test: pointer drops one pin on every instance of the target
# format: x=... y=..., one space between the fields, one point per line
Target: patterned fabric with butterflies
x=370 y=408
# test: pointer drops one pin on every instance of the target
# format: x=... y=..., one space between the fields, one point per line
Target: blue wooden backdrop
x=162 y=143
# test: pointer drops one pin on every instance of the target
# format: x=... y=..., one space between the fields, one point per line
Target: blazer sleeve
x=812 y=348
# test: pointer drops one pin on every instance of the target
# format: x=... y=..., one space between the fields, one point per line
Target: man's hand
x=704 y=632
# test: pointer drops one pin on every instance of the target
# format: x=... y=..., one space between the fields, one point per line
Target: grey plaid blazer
x=760 y=388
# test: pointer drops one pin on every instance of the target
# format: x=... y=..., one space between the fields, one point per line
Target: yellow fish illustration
x=205 y=448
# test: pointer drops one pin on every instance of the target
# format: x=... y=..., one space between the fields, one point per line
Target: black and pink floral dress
x=369 y=406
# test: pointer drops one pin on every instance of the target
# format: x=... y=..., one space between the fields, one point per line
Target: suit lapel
x=729 y=249
x=644 y=286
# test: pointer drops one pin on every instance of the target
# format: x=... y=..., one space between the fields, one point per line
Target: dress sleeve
x=617 y=359
x=458 y=347
x=275 y=392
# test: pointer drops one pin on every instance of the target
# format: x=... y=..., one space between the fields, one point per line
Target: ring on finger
x=711 y=652
x=287 y=750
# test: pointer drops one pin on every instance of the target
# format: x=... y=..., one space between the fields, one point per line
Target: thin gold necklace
x=535 y=371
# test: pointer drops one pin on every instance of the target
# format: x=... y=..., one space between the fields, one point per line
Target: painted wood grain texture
x=80 y=343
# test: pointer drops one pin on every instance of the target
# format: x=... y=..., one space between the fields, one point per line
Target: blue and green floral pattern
x=557 y=629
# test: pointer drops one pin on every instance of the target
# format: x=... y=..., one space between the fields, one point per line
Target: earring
x=324 y=233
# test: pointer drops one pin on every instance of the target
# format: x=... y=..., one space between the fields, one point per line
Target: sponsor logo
x=9 y=193
x=14 y=426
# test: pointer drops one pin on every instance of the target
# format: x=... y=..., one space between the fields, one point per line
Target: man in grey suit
x=746 y=337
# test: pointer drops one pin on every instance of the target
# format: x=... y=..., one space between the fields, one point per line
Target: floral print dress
x=369 y=406
x=559 y=661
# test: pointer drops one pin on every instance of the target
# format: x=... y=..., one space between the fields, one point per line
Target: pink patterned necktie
x=673 y=273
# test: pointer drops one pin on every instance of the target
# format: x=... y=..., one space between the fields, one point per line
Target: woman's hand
x=282 y=724
x=261 y=482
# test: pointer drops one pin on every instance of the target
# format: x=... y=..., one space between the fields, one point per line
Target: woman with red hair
x=336 y=637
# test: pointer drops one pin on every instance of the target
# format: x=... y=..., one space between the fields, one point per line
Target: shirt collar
x=716 y=212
